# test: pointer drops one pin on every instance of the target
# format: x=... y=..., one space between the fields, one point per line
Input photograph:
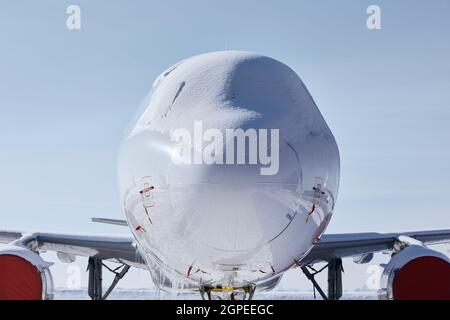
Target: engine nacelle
x=24 y=275
x=416 y=273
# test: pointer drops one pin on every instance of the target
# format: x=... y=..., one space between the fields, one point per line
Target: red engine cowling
x=24 y=275
x=416 y=273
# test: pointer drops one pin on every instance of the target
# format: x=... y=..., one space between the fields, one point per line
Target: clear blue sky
x=66 y=97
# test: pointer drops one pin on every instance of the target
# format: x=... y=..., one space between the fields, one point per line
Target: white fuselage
x=230 y=174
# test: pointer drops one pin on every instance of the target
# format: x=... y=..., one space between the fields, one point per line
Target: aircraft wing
x=333 y=246
x=120 y=249
x=123 y=249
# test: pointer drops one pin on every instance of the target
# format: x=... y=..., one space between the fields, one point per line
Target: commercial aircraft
x=228 y=178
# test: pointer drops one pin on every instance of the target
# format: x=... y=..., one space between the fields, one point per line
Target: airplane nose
x=234 y=217
x=233 y=207
x=218 y=213
x=189 y=207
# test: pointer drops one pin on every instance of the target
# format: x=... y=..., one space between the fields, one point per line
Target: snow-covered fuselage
x=230 y=173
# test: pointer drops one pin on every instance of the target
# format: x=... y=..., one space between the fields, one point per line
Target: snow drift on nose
x=231 y=89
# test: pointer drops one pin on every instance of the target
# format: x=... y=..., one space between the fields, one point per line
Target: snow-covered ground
x=148 y=294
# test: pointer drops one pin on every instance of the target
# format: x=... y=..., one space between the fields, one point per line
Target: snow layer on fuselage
x=231 y=89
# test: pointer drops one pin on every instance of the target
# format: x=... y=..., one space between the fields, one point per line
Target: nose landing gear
x=217 y=291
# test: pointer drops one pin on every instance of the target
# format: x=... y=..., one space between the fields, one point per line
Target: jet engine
x=24 y=275
x=416 y=273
